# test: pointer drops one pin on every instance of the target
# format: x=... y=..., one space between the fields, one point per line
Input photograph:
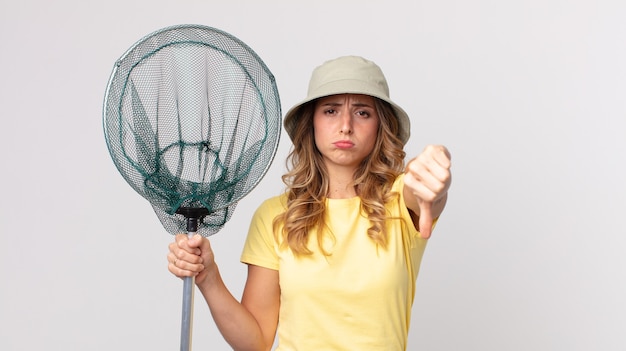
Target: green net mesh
x=192 y=121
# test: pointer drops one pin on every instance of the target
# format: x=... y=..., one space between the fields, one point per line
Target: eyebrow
x=357 y=104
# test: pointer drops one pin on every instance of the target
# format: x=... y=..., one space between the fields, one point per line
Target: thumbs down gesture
x=426 y=183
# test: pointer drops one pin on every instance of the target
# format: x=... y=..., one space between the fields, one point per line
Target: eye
x=330 y=111
x=363 y=114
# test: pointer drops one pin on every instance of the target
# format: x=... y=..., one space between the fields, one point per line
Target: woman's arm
x=246 y=325
x=426 y=185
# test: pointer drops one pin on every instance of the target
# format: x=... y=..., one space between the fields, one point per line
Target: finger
x=184 y=256
x=440 y=169
x=195 y=241
x=428 y=168
x=431 y=186
x=180 y=251
x=420 y=187
x=426 y=219
x=172 y=266
x=181 y=238
x=442 y=157
x=183 y=242
x=181 y=267
x=430 y=179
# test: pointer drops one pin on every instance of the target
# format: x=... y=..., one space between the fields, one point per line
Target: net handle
x=187 y=318
x=189 y=286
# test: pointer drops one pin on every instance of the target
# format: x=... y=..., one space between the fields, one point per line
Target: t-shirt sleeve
x=260 y=247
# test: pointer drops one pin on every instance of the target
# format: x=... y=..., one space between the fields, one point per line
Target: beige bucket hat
x=349 y=75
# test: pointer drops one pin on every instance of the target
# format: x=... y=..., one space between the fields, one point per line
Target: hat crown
x=348 y=74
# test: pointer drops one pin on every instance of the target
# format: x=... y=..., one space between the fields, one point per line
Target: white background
x=529 y=96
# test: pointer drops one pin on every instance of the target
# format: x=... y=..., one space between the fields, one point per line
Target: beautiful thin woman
x=333 y=261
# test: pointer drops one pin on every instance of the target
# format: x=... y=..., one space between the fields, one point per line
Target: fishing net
x=192 y=122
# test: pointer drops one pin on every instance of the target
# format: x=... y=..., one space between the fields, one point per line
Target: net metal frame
x=192 y=120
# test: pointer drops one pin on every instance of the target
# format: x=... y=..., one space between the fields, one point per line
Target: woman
x=332 y=263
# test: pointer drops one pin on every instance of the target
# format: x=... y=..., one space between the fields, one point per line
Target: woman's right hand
x=191 y=257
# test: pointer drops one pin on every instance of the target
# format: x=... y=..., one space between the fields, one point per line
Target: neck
x=341 y=184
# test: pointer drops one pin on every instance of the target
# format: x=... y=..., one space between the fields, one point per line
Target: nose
x=346 y=122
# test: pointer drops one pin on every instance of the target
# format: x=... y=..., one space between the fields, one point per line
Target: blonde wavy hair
x=308 y=185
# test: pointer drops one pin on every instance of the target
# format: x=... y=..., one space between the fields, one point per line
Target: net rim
x=272 y=149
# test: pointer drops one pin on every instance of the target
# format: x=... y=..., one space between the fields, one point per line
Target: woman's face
x=345 y=128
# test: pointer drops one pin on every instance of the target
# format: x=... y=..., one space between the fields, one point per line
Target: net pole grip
x=188 y=296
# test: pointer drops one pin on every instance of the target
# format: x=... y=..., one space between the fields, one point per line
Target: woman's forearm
x=236 y=324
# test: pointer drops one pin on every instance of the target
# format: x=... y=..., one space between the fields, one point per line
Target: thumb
x=426 y=219
x=195 y=241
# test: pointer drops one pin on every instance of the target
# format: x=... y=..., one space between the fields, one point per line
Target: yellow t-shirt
x=359 y=297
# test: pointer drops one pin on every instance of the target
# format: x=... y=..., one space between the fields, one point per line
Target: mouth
x=343 y=144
